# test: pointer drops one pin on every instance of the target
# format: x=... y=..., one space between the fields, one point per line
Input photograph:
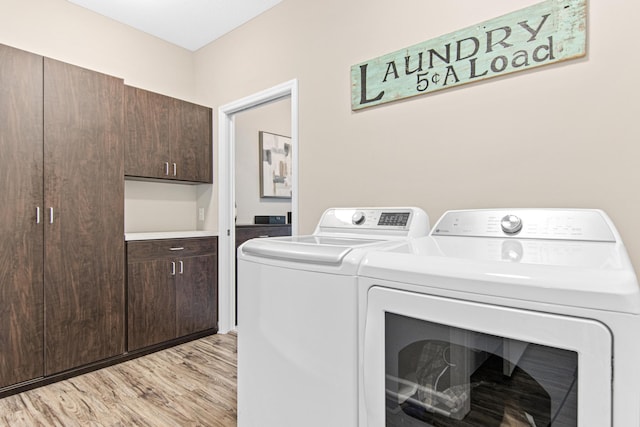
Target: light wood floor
x=193 y=384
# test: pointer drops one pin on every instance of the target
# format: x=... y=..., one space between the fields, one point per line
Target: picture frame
x=275 y=165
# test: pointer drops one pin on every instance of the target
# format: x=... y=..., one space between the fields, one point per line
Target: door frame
x=226 y=186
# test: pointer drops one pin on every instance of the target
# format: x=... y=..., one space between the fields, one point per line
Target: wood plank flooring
x=193 y=384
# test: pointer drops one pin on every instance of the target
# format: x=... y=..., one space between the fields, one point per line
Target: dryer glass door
x=433 y=361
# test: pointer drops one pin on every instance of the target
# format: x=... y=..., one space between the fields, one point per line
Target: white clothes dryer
x=297 y=317
x=514 y=317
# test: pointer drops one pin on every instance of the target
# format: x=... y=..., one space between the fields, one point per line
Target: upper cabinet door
x=167 y=138
x=147 y=136
x=84 y=201
x=21 y=164
x=191 y=142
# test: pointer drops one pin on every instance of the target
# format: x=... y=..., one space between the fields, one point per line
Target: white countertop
x=168 y=235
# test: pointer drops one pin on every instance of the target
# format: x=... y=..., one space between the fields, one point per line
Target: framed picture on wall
x=275 y=165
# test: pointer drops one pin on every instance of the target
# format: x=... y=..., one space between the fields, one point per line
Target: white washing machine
x=516 y=317
x=297 y=317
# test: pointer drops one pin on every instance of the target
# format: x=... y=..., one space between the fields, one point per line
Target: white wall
x=151 y=206
x=564 y=135
x=275 y=118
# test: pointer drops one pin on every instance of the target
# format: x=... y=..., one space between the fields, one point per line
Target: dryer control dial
x=511 y=224
x=358 y=218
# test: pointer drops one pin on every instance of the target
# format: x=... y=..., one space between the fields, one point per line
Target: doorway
x=227 y=188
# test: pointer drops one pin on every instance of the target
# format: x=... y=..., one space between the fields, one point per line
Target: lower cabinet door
x=172 y=289
x=152 y=304
x=196 y=299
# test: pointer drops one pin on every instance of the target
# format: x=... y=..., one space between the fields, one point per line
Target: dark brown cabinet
x=62 y=217
x=21 y=246
x=84 y=225
x=166 y=138
x=246 y=232
x=172 y=289
x=196 y=297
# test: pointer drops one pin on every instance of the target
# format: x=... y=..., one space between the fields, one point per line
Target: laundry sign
x=542 y=34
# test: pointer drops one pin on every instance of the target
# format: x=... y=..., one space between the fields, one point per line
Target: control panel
x=559 y=224
x=406 y=220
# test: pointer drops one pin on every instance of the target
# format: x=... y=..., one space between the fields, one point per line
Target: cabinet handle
x=263 y=236
x=173 y=268
x=177 y=249
x=166 y=168
x=174 y=169
x=37 y=214
x=181 y=267
x=50 y=215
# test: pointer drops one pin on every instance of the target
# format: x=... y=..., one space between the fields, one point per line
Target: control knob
x=358 y=218
x=511 y=224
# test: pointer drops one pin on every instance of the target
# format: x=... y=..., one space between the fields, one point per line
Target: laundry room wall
x=563 y=135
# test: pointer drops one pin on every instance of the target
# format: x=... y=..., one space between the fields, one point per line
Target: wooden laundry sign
x=547 y=32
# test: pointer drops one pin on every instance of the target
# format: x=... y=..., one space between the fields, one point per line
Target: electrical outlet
x=201 y=214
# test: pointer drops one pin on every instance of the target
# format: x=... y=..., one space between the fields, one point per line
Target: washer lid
x=307 y=249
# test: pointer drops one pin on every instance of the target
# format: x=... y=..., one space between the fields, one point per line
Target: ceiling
x=190 y=24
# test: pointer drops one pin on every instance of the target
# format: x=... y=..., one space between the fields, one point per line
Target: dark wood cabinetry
x=196 y=294
x=62 y=252
x=84 y=201
x=246 y=232
x=21 y=246
x=147 y=134
x=191 y=144
x=166 y=138
x=62 y=217
x=172 y=288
